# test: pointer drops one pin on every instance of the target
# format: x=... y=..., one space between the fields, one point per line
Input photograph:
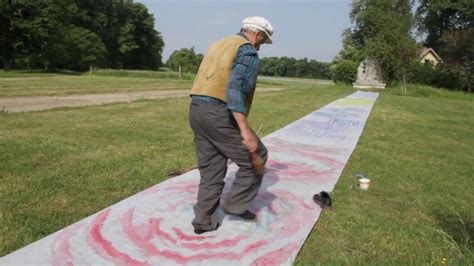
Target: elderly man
x=221 y=99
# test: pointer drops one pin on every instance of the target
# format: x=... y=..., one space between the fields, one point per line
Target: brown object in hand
x=257 y=163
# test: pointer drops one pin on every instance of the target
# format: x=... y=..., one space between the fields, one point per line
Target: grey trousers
x=217 y=138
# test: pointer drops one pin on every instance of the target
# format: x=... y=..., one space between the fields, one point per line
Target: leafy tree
x=185 y=58
x=140 y=45
x=127 y=31
x=438 y=17
x=18 y=29
x=84 y=48
x=56 y=33
x=349 y=50
x=448 y=26
x=458 y=55
x=382 y=29
x=54 y=23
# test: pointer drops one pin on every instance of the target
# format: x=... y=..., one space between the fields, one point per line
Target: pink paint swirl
x=105 y=248
x=61 y=249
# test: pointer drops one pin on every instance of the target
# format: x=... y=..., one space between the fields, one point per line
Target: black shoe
x=201 y=231
x=198 y=231
x=323 y=200
x=247 y=215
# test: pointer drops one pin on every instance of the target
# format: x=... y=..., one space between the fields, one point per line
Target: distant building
x=428 y=55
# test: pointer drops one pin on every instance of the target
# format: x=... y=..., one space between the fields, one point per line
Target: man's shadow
x=264 y=197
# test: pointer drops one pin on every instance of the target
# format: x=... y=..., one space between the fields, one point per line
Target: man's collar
x=243 y=35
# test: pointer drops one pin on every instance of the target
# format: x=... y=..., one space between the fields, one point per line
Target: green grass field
x=62 y=165
x=17 y=83
x=66 y=85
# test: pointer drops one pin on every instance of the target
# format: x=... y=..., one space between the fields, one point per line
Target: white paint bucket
x=364 y=183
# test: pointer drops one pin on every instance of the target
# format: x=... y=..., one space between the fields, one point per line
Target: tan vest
x=216 y=67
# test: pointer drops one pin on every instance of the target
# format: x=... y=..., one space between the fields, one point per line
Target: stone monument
x=369 y=75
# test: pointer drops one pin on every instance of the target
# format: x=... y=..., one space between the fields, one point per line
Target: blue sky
x=303 y=28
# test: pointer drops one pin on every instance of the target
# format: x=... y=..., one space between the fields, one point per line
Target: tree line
x=74 y=34
x=385 y=30
x=189 y=61
x=291 y=67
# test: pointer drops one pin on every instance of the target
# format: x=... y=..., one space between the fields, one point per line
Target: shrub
x=437 y=76
x=344 y=71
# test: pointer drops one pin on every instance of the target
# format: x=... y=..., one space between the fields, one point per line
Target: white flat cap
x=262 y=24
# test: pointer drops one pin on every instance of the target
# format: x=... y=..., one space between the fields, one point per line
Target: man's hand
x=249 y=140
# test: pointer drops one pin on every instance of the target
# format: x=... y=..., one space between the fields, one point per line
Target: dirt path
x=24 y=78
x=37 y=103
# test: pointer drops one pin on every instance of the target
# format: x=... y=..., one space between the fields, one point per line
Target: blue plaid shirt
x=242 y=80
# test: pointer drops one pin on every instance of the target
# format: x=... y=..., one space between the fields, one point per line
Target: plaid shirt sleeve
x=243 y=78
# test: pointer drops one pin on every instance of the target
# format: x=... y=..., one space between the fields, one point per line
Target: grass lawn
x=60 y=166
x=418 y=152
x=14 y=83
x=65 y=84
